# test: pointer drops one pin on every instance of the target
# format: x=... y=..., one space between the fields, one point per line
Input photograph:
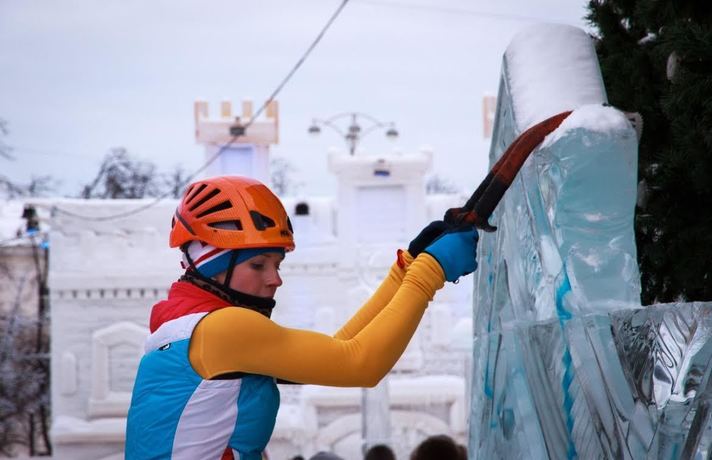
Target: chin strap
x=262 y=305
x=230 y=269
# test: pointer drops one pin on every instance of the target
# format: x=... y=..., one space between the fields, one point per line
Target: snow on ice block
x=549 y=69
x=566 y=362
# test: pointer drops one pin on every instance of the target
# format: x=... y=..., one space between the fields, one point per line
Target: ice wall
x=566 y=362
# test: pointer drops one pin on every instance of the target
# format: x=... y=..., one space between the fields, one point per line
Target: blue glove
x=456 y=252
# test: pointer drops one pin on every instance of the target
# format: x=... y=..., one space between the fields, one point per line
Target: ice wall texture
x=566 y=362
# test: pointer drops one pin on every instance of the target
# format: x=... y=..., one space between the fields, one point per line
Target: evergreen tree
x=656 y=59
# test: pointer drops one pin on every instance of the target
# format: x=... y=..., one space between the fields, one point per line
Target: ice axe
x=478 y=208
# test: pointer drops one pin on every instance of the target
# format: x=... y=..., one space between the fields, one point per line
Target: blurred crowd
x=439 y=447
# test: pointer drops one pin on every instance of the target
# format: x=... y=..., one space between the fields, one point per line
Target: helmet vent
x=261 y=221
x=212 y=193
x=193 y=194
x=190 y=189
x=227 y=225
x=218 y=207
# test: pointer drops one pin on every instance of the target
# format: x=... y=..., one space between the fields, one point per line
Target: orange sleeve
x=379 y=299
x=241 y=340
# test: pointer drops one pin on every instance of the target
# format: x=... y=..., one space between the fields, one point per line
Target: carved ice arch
x=407 y=426
x=105 y=399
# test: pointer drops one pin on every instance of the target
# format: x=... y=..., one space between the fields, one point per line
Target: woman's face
x=257 y=276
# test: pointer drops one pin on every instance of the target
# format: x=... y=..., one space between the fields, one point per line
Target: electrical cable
x=214 y=157
x=159 y=198
x=449 y=10
x=44 y=152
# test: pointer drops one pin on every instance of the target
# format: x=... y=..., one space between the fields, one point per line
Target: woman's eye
x=257 y=266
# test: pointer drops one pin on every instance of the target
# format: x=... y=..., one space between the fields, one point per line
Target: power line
x=54 y=153
x=304 y=56
x=457 y=11
x=158 y=199
x=214 y=157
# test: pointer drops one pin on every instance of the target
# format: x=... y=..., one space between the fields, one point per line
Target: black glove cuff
x=429 y=234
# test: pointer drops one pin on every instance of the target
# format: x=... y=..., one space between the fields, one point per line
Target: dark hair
x=439 y=447
x=323 y=455
x=379 y=452
x=462 y=450
x=302 y=209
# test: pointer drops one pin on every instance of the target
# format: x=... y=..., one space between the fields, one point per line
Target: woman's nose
x=274 y=279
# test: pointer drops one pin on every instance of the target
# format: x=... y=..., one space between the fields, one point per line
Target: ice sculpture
x=567 y=364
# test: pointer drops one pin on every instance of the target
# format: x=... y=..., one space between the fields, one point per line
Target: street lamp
x=353 y=133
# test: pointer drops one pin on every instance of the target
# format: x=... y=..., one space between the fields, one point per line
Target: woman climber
x=206 y=386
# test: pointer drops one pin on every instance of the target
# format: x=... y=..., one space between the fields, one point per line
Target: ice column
x=566 y=362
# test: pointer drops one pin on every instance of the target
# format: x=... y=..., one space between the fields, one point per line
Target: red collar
x=184 y=299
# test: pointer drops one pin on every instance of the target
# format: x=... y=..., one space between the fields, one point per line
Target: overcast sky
x=79 y=77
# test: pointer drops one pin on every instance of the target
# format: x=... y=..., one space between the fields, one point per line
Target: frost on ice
x=566 y=362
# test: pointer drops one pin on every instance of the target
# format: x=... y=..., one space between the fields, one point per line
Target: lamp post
x=354 y=133
x=375 y=402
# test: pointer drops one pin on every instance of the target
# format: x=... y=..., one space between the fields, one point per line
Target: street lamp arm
x=372 y=128
x=352 y=115
x=338 y=116
x=328 y=123
x=370 y=118
x=354 y=133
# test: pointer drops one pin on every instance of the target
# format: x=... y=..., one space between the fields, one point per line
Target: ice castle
x=549 y=356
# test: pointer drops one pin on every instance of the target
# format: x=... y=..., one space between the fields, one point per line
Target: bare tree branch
x=10 y=190
x=281 y=176
x=175 y=182
x=38 y=186
x=121 y=176
x=4 y=148
x=436 y=184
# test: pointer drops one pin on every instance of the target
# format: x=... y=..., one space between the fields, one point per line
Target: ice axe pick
x=479 y=207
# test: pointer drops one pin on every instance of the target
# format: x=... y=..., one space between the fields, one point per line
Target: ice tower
x=567 y=364
x=247 y=155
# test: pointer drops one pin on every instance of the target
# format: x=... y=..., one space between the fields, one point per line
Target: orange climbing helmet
x=231 y=212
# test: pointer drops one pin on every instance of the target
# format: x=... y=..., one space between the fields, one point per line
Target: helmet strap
x=230 y=269
x=263 y=305
x=184 y=250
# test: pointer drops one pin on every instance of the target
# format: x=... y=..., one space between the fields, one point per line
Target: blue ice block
x=567 y=364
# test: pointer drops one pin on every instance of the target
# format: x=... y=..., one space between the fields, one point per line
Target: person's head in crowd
x=325 y=456
x=438 y=447
x=379 y=452
x=462 y=450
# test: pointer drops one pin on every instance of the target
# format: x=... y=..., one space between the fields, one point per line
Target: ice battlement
x=216 y=129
